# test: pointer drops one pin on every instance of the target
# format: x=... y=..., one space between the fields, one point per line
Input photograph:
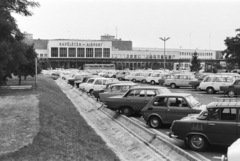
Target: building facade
x=65 y=53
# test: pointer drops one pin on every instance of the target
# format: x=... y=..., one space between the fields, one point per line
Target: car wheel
x=144 y=81
x=134 y=80
x=120 y=78
x=91 y=92
x=197 y=87
x=173 y=85
x=152 y=82
x=197 y=143
x=127 y=111
x=155 y=122
x=210 y=90
x=231 y=94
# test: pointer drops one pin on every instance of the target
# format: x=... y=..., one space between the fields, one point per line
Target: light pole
x=164 y=39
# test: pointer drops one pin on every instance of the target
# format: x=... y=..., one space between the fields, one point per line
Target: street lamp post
x=164 y=39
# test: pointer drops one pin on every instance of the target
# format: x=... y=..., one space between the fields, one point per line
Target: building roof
x=40 y=44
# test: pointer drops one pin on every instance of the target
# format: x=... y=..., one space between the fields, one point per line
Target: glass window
x=218 y=79
x=90 y=81
x=89 y=52
x=71 y=52
x=54 y=52
x=80 y=52
x=98 y=82
x=106 y=52
x=136 y=93
x=160 y=101
x=151 y=93
x=208 y=79
x=98 y=52
x=116 y=88
x=177 y=102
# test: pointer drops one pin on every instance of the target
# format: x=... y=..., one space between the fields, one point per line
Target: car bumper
x=171 y=135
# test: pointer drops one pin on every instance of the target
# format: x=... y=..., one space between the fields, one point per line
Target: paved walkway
x=124 y=144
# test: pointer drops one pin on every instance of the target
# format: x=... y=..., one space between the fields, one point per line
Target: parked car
x=142 y=76
x=121 y=75
x=95 y=93
x=216 y=125
x=135 y=99
x=231 y=90
x=180 y=80
x=116 y=89
x=161 y=81
x=153 y=78
x=84 y=79
x=76 y=77
x=55 y=75
x=211 y=84
x=165 y=108
x=195 y=83
x=96 y=84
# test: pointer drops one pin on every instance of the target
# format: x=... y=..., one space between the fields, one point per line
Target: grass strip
x=63 y=133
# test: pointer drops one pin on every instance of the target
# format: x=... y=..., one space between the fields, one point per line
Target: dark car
x=165 y=108
x=135 y=99
x=218 y=124
x=231 y=90
x=76 y=77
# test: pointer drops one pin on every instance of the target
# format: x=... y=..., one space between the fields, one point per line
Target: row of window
x=143 y=56
x=199 y=58
x=199 y=54
x=80 y=52
x=42 y=55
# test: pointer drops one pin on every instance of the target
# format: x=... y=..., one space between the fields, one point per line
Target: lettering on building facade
x=80 y=44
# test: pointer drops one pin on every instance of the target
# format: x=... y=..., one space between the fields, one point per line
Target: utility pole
x=164 y=39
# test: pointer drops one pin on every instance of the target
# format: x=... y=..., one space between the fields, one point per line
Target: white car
x=96 y=84
x=211 y=84
x=180 y=80
x=153 y=79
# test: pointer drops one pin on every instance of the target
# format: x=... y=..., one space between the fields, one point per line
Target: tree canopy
x=195 y=63
x=14 y=53
x=232 y=52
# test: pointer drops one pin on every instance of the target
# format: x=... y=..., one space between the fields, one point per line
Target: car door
x=177 y=109
x=238 y=123
x=222 y=126
x=157 y=107
x=136 y=99
x=98 y=85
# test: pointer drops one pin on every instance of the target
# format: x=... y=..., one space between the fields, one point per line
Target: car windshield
x=193 y=101
x=203 y=114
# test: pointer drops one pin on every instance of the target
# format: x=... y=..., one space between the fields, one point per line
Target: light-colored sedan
x=180 y=80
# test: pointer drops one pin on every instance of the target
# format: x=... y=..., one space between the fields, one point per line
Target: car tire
x=197 y=87
x=155 y=122
x=119 y=78
x=144 y=81
x=134 y=80
x=153 y=82
x=197 y=142
x=127 y=111
x=91 y=92
x=231 y=94
x=173 y=85
x=210 y=90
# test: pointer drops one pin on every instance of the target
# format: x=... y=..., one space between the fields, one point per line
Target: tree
x=195 y=63
x=232 y=53
x=12 y=49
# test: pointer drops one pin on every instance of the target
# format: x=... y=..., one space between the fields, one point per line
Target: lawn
x=62 y=134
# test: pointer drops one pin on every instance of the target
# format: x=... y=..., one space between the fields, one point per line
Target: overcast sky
x=190 y=24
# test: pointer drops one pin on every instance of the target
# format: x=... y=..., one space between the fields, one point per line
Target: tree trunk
x=25 y=77
x=20 y=79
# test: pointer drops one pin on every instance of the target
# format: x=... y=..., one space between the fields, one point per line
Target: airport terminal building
x=66 y=53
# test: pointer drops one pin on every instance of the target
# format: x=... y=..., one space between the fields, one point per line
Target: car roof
x=125 y=84
x=176 y=94
x=149 y=87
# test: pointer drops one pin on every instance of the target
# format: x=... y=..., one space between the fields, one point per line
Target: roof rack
x=227 y=99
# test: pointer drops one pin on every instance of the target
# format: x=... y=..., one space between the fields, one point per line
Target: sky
x=190 y=24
